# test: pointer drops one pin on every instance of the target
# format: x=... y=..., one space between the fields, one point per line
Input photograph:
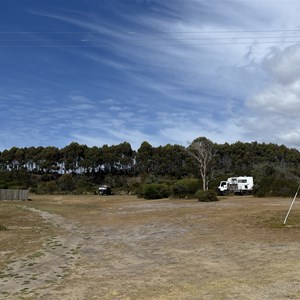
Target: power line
x=223 y=43
x=225 y=31
x=225 y=38
x=87 y=42
x=229 y=31
x=34 y=32
x=164 y=39
x=134 y=32
x=145 y=45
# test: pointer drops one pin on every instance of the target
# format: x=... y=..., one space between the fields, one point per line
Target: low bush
x=275 y=187
x=46 y=188
x=206 y=196
x=185 y=188
x=66 y=183
x=155 y=191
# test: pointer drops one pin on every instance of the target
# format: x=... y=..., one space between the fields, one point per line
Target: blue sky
x=165 y=71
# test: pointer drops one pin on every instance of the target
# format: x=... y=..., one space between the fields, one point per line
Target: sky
x=163 y=71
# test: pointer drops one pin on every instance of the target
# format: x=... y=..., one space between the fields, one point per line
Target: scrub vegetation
x=79 y=169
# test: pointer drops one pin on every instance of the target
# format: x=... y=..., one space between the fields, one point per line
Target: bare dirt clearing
x=121 y=247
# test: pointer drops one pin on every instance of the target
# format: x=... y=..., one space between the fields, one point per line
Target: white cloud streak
x=163 y=85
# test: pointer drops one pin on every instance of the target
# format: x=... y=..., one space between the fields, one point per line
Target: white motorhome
x=237 y=185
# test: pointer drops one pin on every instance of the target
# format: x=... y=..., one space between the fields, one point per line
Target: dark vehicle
x=104 y=190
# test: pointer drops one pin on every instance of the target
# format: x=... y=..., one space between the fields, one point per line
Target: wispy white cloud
x=167 y=74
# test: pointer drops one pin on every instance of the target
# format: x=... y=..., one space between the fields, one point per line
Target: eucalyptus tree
x=144 y=158
x=31 y=158
x=124 y=155
x=109 y=158
x=9 y=158
x=1 y=162
x=203 y=152
x=170 y=160
x=71 y=155
x=50 y=159
x=93 y=159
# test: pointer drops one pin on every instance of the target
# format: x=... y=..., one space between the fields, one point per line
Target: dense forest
x=81 y=169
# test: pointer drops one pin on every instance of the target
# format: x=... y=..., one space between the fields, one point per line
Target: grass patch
x=36 y=255
x=24 y=228
x=293 y=220
x=277 y=221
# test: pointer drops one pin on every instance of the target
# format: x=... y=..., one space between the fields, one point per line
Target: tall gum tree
x=202 y=150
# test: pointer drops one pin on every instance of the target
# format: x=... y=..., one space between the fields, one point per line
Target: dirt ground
x=122 y=247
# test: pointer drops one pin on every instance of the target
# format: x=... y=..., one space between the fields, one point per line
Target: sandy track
x=169 y=249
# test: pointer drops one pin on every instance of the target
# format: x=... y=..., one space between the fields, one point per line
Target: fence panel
x=6 y=194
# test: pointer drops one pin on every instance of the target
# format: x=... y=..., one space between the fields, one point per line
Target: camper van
x=238 y=185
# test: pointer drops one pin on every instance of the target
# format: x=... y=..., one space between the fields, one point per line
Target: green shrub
x=45 y=188
x=2 y=227
x=185 y=188
x=276 y=186
x=206 y=196
x=3 y=184
x=155 y=191
x=66 y=183
x=133 y=188
x=84 y=186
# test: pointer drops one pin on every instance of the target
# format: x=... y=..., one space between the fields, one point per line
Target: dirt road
x=127 y=248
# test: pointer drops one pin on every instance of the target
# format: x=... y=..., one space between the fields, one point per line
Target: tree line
x=79 y=167
x=81 y=159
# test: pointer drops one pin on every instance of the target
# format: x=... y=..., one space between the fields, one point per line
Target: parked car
x=104 y=190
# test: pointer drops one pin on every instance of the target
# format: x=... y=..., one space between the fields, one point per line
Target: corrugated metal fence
x=13 y=194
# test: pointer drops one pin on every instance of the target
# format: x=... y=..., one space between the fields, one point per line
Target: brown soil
x=121 y=247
